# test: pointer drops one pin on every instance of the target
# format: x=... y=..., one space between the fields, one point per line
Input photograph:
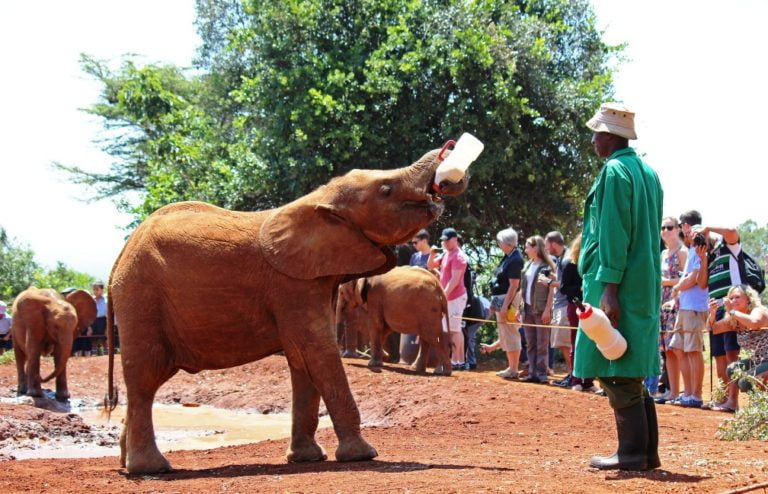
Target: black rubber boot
x=653 y=433
x=632 y=429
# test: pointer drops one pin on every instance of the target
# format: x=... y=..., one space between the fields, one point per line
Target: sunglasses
x=668 y=228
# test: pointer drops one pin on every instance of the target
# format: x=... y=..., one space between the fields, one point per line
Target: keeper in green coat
x=620 y=264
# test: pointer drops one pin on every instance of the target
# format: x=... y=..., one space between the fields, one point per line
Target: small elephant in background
x=46 y=323
x=406 y=300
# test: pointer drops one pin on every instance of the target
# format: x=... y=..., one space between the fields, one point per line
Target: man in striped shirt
x=719 y=272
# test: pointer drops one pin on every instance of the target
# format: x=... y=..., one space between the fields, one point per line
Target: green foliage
x=291 y=93
x=19 y=271
x=62 y=277
x=8 y=358
x=749 y=422
x=17 y=267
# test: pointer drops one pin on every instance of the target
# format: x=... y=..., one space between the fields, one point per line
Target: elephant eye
x=385 y=190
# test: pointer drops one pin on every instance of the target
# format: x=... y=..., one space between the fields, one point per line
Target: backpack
x=751 y=272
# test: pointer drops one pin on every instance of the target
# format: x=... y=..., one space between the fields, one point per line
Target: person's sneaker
x=507 y=374
x=472 y=366
x=691 y=402
x=564 y=383
x=532 y=379
x=577 y=387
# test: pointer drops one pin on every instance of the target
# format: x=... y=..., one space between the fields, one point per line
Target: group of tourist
x=708 y=287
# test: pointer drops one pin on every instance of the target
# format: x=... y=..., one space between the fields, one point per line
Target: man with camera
x=688 y=339
x=719 y=251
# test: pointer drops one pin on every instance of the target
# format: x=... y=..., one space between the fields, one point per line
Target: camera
x=699 y=240
x=546 y=271
x=720 y=302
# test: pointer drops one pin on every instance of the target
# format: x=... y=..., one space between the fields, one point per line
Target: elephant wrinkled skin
x=406 y=300
x=199 y=287
x=45 y=323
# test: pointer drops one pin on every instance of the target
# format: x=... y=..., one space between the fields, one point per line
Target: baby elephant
x=405 y=300
x=45 y=323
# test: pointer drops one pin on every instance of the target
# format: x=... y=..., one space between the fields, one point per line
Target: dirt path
x=471 y=432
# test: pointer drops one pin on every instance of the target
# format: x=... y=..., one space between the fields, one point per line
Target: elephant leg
x=350 y=342
x=139 y=452
x=443 y=354
x=21 y=375
x=62 y=392
x=377 y=352
x=420 y=364
x=304 y=416
x=32 y=378
x=312 y=349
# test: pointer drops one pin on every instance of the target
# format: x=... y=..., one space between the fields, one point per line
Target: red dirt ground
x=471 y=432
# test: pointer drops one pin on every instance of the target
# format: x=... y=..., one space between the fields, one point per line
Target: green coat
x=621 y=244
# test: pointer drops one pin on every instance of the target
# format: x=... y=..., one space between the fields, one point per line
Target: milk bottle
x=454 y=167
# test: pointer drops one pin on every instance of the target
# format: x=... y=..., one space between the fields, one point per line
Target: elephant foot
x=376 y=364
x=147 y=463
x=421 y=369
x=35 y=393
x=305 y=453
x=442 y=370
x=356 y=449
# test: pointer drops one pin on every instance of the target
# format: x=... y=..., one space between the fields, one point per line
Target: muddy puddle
x=177 y=427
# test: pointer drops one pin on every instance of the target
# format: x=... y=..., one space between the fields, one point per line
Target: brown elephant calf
x=45 y=323
x=405 y=300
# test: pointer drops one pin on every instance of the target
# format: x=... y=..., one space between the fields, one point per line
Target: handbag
x=751 y=272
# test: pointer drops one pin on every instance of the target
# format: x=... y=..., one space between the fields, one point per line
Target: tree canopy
x=19 y=271
x=289 y=93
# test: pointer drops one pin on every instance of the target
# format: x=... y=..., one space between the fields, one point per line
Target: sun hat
x=614 y=118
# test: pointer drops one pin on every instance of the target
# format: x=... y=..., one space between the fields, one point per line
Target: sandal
x=722 y=408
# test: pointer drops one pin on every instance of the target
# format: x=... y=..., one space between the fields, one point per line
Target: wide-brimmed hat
x=614 y=118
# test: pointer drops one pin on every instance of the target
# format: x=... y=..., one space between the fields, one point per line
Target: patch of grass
x=750 y=422
x=7 y=358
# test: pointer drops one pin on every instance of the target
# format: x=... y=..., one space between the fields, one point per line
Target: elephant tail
x=53 y=374
x=110 y=400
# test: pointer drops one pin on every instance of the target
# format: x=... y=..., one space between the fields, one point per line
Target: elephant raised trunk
x=425 y=170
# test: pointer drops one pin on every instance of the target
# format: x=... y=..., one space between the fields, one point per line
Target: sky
x=694 y=74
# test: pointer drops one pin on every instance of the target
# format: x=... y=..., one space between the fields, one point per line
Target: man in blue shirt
x=688 y=340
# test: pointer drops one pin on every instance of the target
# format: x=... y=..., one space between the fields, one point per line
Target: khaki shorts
x=509 y=336
x=693 y=323
x=560 y=338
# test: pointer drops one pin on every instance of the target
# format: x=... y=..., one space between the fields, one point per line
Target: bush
x=750 y=422
x=7 y=358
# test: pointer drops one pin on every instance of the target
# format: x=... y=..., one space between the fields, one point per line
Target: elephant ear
x=85 y=307
x=361 y=291
x=308 y=241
